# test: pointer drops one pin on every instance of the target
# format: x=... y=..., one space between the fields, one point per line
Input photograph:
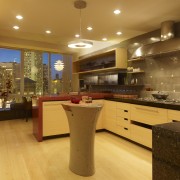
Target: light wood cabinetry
x=123 y=119
x=55 y=121
x=142 y=119
x=173 y=115
x=135 y=121
x=107 y=61
x=148 y=115
x=110 y=116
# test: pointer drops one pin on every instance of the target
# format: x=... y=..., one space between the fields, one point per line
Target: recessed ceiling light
x=19 y=17
x=119 y=33
x=77 y=35
x=104 y=39
x=89 y=28
x=136 y=43
x=16 y=27
x=48 y=32
x=117 y=11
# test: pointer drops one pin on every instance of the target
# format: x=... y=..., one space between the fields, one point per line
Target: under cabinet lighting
x=104 y=39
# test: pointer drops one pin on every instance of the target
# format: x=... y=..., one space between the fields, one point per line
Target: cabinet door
x=148 y=115
x=99 y=124
x=141 y=135
x=54 y=119
x=110 y=115
x=173 y=115
x=121 y=58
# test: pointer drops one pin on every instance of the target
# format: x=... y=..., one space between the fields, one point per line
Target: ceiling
x=60 y=16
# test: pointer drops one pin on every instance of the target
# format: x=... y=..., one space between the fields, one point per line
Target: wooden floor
x=23 y=158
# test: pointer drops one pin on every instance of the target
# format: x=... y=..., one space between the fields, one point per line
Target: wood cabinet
x=123 y=119
x=55 y=121
x=173 y=115
x=148 y=115
x=142 y=119
x=110 y=116
x=107 y=61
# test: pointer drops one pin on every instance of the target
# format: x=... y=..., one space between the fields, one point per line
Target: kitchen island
x=49 y=118
x=166 y=151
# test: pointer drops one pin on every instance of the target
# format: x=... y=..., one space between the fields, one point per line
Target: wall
x=161 y=73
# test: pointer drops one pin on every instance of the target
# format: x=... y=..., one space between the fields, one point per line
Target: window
x=56 y=75
x=10 y=70
x=35 y=74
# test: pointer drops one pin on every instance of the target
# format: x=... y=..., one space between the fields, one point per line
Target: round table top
x=83 y=105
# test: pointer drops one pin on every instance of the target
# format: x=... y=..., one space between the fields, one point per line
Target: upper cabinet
x=110 y=60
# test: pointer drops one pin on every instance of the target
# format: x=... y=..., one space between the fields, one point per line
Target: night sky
x=11 y=55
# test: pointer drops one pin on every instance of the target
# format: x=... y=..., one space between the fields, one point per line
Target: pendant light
x=80 y=43
x=58 y=65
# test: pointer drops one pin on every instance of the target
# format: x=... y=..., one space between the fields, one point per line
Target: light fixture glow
x=89 y=28
x=80 y=44
x=119 y=33
x=104 y=39
x=77 y=35
x=58 y=65
x=117 y=11
x=16 y=27
x=19 y=17
x=48 y=32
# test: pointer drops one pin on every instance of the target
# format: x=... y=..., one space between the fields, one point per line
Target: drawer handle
x=125 y=110
x=126 y=129
x=150 y=110
x=175 y=121
x=126 y=119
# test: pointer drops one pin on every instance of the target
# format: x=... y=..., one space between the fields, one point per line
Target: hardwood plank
x=23 y=158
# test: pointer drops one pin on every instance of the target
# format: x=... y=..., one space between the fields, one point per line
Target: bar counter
x=37 y=110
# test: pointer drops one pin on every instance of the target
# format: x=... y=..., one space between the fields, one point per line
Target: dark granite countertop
x=175 y=127
x=147 y=103
x=166 y=151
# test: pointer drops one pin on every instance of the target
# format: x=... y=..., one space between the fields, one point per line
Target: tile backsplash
x=162 y=73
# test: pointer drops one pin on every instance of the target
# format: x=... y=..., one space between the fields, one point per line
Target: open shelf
x=107 y=61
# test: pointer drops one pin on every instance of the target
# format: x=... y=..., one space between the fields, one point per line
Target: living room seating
x=22 y=109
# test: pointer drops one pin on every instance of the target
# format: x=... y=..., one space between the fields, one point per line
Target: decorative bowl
x=75 y=100
x=160 y=96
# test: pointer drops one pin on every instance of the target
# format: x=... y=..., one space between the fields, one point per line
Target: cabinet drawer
x=120 y=121
x=141 y=135
x=173 y=115
x=123 y=113
x=148 y=115
x=123 y=131
x=124 y=106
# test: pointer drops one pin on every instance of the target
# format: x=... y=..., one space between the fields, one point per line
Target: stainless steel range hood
x=167 y=44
